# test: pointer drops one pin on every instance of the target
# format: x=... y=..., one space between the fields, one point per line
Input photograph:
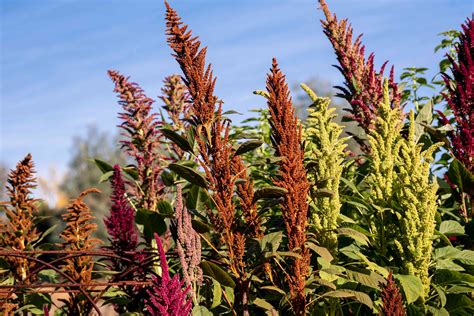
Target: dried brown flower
x=19 y=231
x=175 y=97
x=78 y=237
x=197 y=76
x=286 y=139
x=215 y=149
x=245 y=191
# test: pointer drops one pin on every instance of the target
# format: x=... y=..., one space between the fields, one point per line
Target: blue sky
x=54 y=55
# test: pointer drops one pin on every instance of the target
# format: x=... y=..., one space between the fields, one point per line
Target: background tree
x=83 y=174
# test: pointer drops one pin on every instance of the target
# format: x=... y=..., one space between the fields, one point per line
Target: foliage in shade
x=325 y=153
x=188 y=245
x=19 y=231
x=167 y=297
x=143 y=139
x=392 y=301
x=363 y=84
x=286 y=138
x=460 y=96
x=78 y=237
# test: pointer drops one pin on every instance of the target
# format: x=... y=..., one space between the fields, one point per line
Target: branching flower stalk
x=215 y=149
x=78 y=237
x=363 y=86
x=416 y=196
x=286 y=139
x=325 y=153
x=19 y=231
x=460 y=97
x=188 y=246
x=143 y=139
x=167 y=297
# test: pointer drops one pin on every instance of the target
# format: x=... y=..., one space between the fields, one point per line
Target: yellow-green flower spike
x=400 y=179
x=416 y=195
x=325 y=152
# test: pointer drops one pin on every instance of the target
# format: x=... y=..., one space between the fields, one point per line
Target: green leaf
x=200 y=311
x=112 y=292
x=425 y=115
x=200 y=227
x=229 y=292
x=214 y=271
x=248 y=146
x=102 y=165
x=105 y=176
x=179 y=140
x=189 y=174
x=461 y=176
x=216 y=294
x=273 y=288
x=44 y=235
x=324 y=193
x=354 y=234
x=448 y=264
x=230 y=112
x=285 y=254
x=269 y=192
x=321 y=251
x=168 y=178
x=131 y=171
x=152 y=222
x=445 y=252
x=262 y=93
x=451 y=228
x=164 y=208
x=273 y=240
x=48 y=275
x=437 y=312
x=366 y=277
x=411 y=285
x=465 y=257
x=192 y=198
x=263 y=304
x=338 y=294
x=325 y=283
x=361 y=297
x=441 y=294
x=458 y=289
